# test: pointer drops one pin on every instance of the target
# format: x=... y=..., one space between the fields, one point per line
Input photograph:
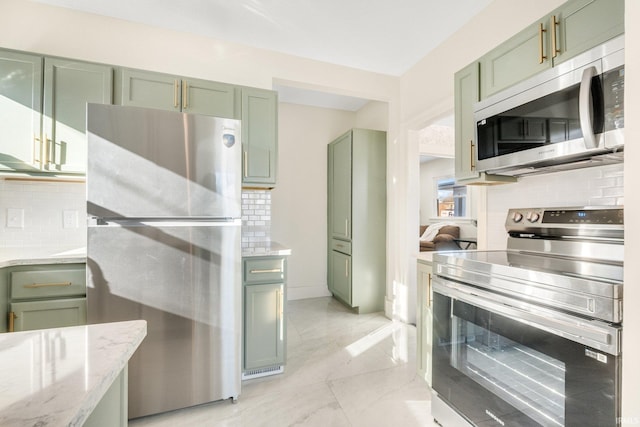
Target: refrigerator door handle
x=219 y=222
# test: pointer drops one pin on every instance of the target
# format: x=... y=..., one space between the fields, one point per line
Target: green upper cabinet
x=340 y=187
x=68 y=87
x=20 y=111
x=466 y=93
x=573 y=28
x=520 y=57
x=583 y=24
x=166 y=92
x=259 y=137
x=43 y=111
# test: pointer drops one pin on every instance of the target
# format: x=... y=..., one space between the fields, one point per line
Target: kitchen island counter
x=55 y=377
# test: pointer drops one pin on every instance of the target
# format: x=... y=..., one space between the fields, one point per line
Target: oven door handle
x=597 y=335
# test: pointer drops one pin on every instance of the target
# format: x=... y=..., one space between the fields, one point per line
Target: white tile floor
x=343 y=369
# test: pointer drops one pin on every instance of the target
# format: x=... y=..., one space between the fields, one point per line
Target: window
x=451 y=198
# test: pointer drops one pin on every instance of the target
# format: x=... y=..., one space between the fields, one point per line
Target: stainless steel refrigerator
x=164 y=207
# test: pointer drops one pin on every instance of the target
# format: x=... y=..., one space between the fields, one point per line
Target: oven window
x=530 y=381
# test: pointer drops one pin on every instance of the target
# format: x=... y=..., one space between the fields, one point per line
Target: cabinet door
x=210 y=98
x=340 y=193
x=466 y=93
x=583 y=24
x=340 y=279
x=20 y=111
x=152 y=90
x=423 y=322
x=259 y=137
x=68 y=87
x=30 y=315
x=520 y=57
x=264 y=332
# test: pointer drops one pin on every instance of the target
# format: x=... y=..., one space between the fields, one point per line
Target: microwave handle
x=586 y=107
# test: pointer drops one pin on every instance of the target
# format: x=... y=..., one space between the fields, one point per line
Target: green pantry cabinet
x=258 y=109
x=356 y=216
x=573 y=28
x=264 y=302
x=42 y=111
x=43 y=296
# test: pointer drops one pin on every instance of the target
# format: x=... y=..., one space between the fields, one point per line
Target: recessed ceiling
x=382 y=36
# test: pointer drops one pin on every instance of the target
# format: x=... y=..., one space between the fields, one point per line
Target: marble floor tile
x=343 y=369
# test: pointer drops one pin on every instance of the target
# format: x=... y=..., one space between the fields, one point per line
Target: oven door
x=500 y=365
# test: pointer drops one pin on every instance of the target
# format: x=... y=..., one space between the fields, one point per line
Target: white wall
x=299 y=201
x=429 y=171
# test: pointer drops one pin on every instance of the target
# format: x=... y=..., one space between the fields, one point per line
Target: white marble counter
x=268 y=248
x=56 y=377
x=41 y=255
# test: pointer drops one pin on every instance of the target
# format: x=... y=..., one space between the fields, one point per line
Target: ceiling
x=382 y=36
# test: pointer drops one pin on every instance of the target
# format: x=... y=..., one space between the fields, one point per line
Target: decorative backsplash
x=256 y=217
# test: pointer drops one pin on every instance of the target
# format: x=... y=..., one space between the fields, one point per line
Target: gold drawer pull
x=45 y=285
x=273 y=270
x=12 y=317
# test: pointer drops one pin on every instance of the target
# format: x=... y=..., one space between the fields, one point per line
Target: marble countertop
x=41 y=255
x=425 y=257
x=268 y=248
x=56 y=377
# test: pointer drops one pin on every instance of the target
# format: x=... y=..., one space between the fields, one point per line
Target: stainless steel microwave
x=571 y=115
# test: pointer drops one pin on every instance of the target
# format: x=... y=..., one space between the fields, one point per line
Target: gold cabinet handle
x=540 y=36
x=175 y=93
x=185 y=89
x=47 y=150
x=554 y=36
x=473 y=166
x=47 y=285
x=245 y=164
x=12 y=317
x=273 y=270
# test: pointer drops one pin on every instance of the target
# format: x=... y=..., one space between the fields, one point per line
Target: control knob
x=533 y=216
x=517 y=217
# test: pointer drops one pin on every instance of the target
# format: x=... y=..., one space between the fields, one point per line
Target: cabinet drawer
x=47 y=283
x=31 y=315
x=264 y=270
x=341 y=246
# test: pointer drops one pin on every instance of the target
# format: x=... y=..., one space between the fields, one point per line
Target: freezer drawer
x=185 y=281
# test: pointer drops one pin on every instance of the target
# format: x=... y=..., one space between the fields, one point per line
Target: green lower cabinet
x=113 y=408
x=340 y=280
x=264 y=316
x=31 y=315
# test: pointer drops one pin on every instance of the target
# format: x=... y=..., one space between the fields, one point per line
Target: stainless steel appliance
x=531 y=336
x=163 y=201
x=569 y=116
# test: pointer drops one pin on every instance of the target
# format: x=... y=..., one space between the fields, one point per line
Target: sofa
x=439 y=237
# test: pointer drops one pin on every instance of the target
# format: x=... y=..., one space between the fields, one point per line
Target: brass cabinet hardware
x=245 y=164
x=554 y=37
x=47 y=150
x=185 y=94
x=175 y=93
x=37 y=148
x=540 y=35
x=473 y=166
x=273 y=270
x=12 y=317
x=47 y=285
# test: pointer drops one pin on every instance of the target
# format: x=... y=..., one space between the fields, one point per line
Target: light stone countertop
x=425 y=257
x=268 y=248
x=41 y=255
x=56 y=377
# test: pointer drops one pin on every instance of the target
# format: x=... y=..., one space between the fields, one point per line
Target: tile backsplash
x=42 y=214
x=256 y=217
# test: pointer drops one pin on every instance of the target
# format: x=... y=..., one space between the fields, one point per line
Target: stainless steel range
x=531 y=336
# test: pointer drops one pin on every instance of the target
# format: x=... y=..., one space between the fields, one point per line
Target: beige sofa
x=444 y=240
